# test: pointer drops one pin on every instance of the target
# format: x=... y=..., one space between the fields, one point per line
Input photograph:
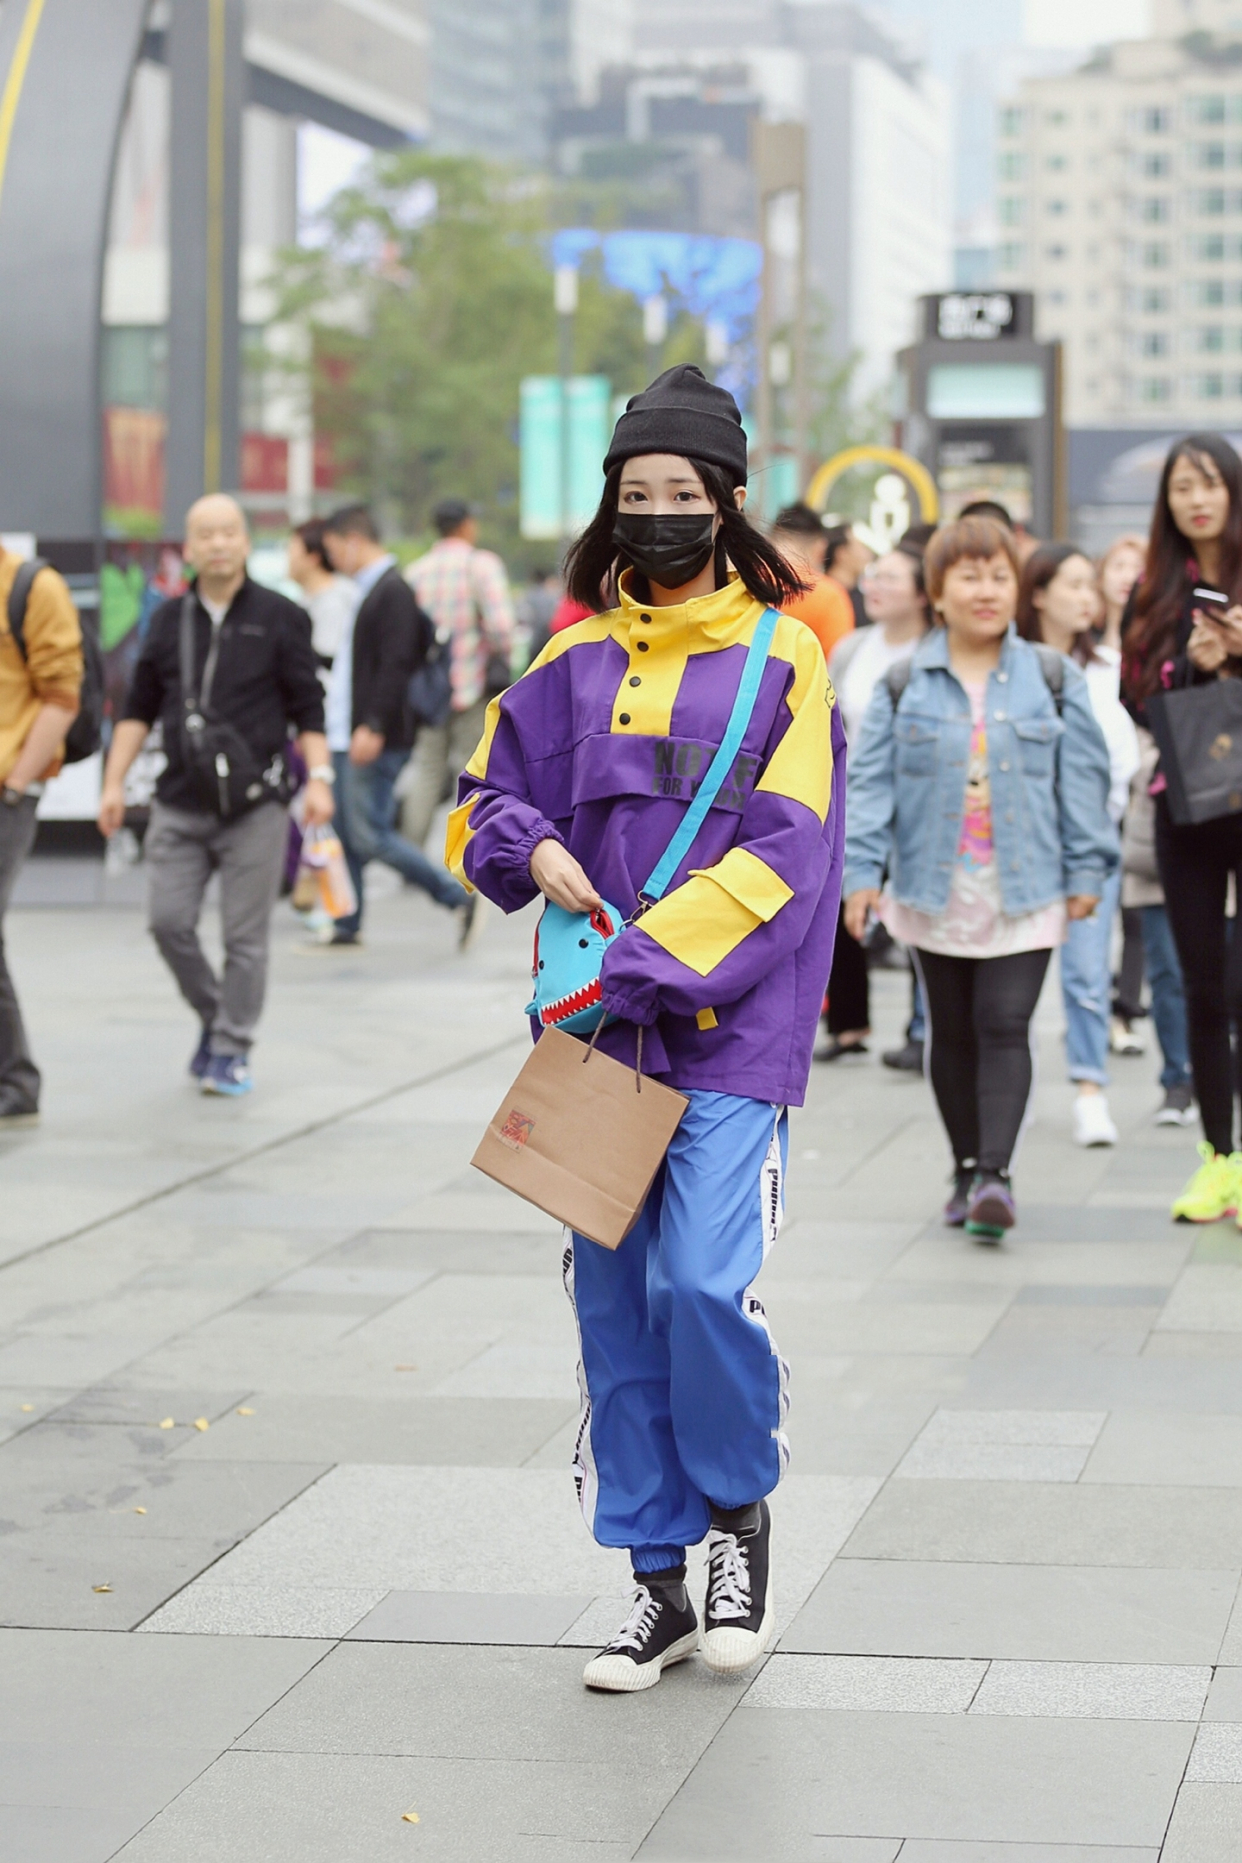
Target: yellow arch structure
x=911 y=469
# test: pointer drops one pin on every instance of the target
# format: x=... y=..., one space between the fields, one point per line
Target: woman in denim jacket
x=983 y=793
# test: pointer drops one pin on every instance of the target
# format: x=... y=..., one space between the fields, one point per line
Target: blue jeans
x=1086 y=987
x=1168 y=996
x=365 y=812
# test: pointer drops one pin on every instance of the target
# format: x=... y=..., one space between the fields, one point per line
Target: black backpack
x=1051 y=665
x=86 y=732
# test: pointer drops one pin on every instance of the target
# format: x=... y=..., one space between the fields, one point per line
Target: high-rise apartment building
x=1119 y=199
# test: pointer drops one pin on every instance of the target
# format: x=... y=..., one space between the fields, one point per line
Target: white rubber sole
x=728 y=1650
x=621 y=1675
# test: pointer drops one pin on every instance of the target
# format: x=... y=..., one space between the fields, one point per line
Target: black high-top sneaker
x=740 y=1616
x=660 y=1629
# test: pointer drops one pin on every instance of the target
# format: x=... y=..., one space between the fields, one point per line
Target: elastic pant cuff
x=671 y=1576
x=657 y=1560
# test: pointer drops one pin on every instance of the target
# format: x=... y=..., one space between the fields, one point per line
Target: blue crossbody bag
x=570 y=946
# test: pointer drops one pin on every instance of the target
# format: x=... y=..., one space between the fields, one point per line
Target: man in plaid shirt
x=466 y=593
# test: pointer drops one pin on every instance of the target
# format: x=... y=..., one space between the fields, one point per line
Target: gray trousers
x=19 y=1077
x=440 y=755
x=182 y=851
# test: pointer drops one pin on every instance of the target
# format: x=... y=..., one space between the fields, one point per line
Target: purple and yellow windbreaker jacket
x=601 y=745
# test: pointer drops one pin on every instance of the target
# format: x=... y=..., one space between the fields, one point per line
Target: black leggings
x=849 y=996
x=1195 y=864
x=979 y=1013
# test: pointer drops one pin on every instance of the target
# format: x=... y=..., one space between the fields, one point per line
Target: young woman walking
x=584 y=774
x=896 y=603
x=983 y=792
x=1173 y=639
x=1058 y=605
x=1116 y=573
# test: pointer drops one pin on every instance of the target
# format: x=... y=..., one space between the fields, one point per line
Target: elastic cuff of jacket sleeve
x=1087 y=883
x=644 y=1009
x=541 y=830
x=374 y=724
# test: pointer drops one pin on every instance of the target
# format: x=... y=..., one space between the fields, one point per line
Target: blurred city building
x=674 y=96
x=359 y=69
x=1119 y=197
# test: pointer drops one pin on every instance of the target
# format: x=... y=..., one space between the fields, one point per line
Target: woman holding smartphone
x=981 y=784
x=1185 y=628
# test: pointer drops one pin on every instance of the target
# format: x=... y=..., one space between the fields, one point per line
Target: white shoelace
x=636 y=1630
x=728 y=1593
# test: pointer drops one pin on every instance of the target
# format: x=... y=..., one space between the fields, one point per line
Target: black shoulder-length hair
x=1038 y=571
x=1151 y=637
x=594 y=564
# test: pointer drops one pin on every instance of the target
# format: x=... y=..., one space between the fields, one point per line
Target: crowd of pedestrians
x=1020 y=784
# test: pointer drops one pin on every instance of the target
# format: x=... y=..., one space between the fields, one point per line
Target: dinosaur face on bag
x=569 y=951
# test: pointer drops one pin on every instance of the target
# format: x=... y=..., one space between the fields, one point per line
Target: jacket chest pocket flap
x=1037 y=742
x=915 y=737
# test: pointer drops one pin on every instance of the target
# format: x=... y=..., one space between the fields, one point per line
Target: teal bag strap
x=721 y=763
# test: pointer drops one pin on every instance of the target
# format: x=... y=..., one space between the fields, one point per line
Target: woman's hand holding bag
x=561 y=878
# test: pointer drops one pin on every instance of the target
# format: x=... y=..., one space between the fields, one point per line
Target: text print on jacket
x=601 y=746
x=1049 y=777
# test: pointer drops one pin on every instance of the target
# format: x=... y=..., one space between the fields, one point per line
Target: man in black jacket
x=370 y=727
x=263 y=679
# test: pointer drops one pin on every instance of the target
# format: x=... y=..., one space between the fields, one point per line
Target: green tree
x=429 y=300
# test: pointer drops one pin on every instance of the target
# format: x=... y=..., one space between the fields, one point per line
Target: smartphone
x=1212 y=597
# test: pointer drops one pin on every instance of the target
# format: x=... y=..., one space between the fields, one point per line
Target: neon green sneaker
x=1214 y=1191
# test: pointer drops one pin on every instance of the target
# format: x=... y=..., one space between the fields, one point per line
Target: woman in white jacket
x=1058 y=603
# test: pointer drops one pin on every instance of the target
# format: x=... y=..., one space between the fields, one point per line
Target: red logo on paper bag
x=516 y=1130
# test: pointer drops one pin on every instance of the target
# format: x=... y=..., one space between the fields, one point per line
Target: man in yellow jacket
x=39 y=692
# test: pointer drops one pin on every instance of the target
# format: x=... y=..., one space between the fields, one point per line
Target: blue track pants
x=683 y=1390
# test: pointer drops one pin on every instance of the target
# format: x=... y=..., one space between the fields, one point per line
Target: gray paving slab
x=1056 y=1330
x=1169 y=1449
x=74 y=1688
x=467 y=1617
x=1224 y=1702
x=1097 y=1691
x=53 y=1833
x=437 y=1701
x=99 y=1774
x=326 y=1808
x=48 y=1584
x=420 y=1251
x=99 y=1500
x=1037 y=1613
x=1217 y=1755
x=1206 y=1826
x=145 y=1410
x=922 y=1851
x=415 y=1428
x=1089 y=1381
x=206 y=1609
x=1077 y=1523
x=955 y=1778
x=898 y=1684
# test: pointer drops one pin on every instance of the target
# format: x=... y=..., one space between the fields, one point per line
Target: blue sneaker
x=201 y=1058
x=227 y=1074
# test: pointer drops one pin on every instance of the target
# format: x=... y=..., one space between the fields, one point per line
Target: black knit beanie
x=683 y=413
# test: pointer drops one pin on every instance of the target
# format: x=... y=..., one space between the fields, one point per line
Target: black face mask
x=669 y=551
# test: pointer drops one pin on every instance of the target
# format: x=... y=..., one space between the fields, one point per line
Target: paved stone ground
x=288 y=1550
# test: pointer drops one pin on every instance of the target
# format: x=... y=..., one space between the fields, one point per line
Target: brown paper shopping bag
x=581 y=1136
